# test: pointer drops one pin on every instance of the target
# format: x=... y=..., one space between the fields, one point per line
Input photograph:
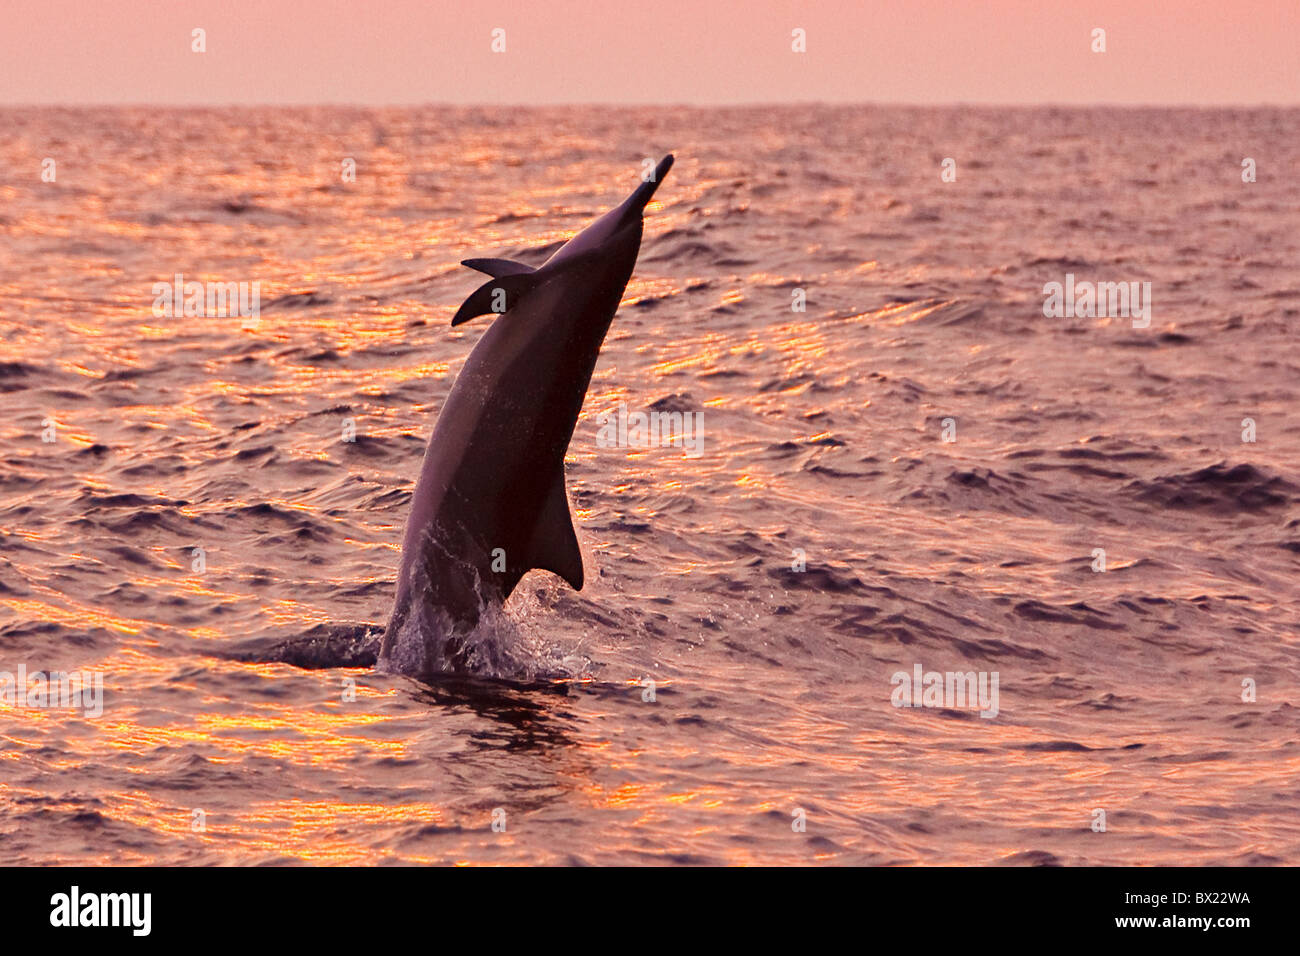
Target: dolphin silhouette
x=490 y=503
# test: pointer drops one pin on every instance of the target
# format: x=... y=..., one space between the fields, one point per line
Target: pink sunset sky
x=650 y=51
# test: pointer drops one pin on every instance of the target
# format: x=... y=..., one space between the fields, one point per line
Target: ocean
x=910 y=464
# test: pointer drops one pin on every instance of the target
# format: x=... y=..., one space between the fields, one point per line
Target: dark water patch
x=1221 y=490
x=957 y=312
x=323 y=646
x=186 y=771
x=1109 y=448
x=682 y=402
x=683 y=247
x=1194 y=757
x=818 y=578
x=127 y=594
x=380 y=588
x=367 y=446
x=140 y=522
x=70 y=395
x=162 y=466
x=264 y=512
x=243 y=207
x=993 y=649
x=53 y=636
x=982 y=479
x=126 y=374
x=1077 y=613
x=263 y=451
x=134 y=556
x=415 y=837
x=1256 y=858
x=396 y=498
x=89 y=499
x=813 y=467
x=11 y=371
x=1084 y=471
x=982 y=488
x=298 y=300
x=784 y=449
x=646 y=303
x=305 y=535
x=12 y=580
x=629 y=526
x=1030 y=858
x=1106 y=702
x=1067 y=263
x=333 y=410
x=507 y=217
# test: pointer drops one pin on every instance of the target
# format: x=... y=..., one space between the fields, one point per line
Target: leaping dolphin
x=490 y=503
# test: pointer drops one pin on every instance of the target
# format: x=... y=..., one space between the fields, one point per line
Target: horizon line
x=746 y=104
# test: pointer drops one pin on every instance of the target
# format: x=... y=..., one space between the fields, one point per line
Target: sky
x=701 y=52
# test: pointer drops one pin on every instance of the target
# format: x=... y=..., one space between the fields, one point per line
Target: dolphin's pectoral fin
x=496 y=296
x=554 y=544
x=497 y=268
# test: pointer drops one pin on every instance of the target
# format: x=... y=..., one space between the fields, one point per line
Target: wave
x=1221 y=490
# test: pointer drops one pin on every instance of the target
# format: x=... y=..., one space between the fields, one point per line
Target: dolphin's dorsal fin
x=497 y=295
x=554 y=544
x=505 y=292
x=497 y=268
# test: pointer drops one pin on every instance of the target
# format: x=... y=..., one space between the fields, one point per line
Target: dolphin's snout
x=665 y=164
x=647 y=188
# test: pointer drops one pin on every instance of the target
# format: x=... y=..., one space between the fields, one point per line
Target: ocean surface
x=917 y=469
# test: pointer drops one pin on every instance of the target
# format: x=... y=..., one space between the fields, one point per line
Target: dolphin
x=490 y=503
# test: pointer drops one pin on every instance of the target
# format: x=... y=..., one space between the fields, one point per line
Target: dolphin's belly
x=497 y=446
x=490 y=502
